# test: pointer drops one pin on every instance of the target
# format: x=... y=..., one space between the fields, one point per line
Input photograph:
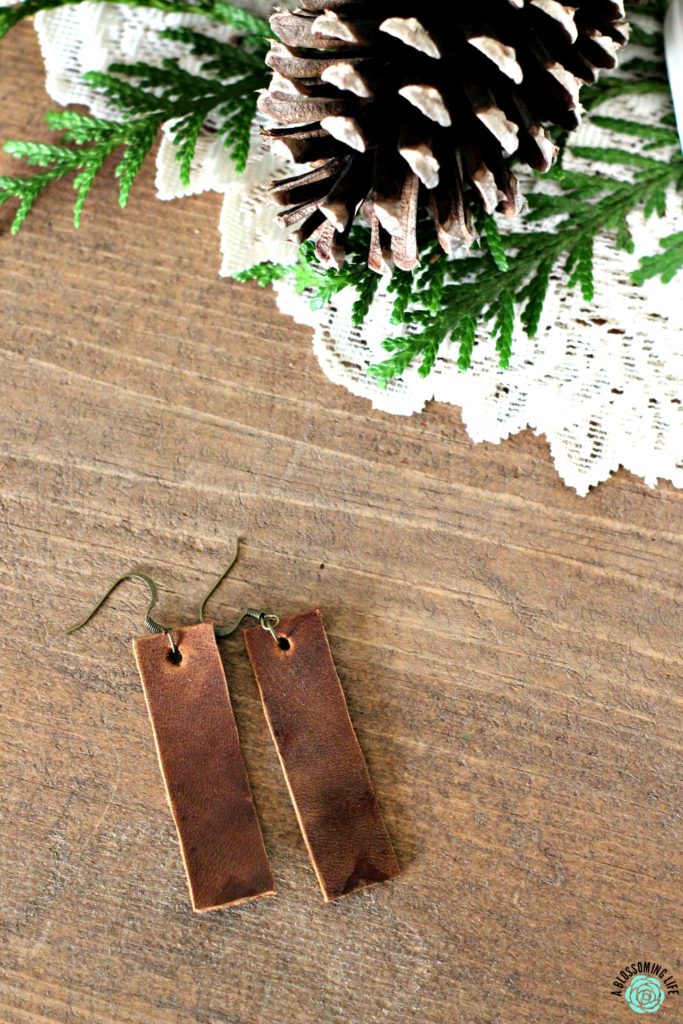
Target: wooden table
x=511 y=654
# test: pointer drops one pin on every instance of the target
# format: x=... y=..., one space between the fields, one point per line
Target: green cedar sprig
x=665 y=264
x=480 y=291
x=217 y=10
x=85 y=144
x=510 y=274
x=322 y=285
x=223 y=93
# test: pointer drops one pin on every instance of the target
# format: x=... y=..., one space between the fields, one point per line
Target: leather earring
x=201 y=760
x=324 y=768
x=323 y=765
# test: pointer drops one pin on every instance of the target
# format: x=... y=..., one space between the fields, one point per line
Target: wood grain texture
x=324 y=767
x=201 y=761
x=512 y=656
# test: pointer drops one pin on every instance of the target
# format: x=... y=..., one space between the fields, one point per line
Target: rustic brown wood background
x=511 y=653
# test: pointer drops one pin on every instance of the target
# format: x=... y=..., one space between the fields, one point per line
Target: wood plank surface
x=511 y=655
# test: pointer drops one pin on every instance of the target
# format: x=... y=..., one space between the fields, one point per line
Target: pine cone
x=400 y=106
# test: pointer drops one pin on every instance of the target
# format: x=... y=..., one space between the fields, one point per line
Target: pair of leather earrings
x=204 y=772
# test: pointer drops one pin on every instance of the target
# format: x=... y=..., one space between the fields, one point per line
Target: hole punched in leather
x=175 y=657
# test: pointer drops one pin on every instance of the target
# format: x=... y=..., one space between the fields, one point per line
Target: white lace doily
x=603 y=382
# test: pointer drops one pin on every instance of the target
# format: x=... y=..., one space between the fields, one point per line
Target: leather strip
x=323 y=764
x=203 y=769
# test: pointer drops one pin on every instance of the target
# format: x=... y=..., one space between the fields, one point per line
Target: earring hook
x=267 y=622
x=151 y=624
x=214 y=588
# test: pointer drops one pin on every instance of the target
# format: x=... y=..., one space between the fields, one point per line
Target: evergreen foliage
x=216 y=10
x=504 y=280
x=222 y=94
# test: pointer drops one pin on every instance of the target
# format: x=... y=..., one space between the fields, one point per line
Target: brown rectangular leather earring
x=323 y=765
x=201 y=761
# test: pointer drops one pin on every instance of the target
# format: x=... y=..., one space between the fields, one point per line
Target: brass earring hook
x=151 y=624
x=267 y=622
